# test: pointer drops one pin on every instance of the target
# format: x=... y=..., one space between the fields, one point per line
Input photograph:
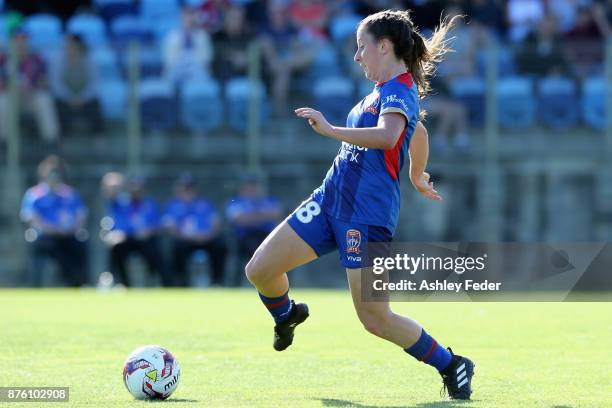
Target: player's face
x=368 y=54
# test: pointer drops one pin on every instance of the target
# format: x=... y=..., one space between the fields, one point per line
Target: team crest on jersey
x=353 y=241
x=372 y=103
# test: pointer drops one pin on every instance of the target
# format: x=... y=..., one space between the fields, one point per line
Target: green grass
x=527 y=354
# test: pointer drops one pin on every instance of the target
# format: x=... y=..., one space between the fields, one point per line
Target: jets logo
x=353 y=241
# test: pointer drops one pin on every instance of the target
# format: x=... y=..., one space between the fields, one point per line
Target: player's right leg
x=280 y=252
x=301 y=238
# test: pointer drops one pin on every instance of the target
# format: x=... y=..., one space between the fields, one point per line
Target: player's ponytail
x=419 y=54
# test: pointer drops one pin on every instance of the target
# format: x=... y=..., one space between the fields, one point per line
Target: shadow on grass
x=332 y=402
x=170 y=401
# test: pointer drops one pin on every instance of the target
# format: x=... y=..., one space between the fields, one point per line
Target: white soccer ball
x=151 y=372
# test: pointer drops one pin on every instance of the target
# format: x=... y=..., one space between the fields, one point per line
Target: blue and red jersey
x=362 y=186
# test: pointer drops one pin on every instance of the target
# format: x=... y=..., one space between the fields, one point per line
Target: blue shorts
x=326 y=234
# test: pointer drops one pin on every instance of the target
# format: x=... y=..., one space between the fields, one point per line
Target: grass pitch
x=526 y=354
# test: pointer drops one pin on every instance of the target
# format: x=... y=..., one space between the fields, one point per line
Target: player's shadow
x=333 y=402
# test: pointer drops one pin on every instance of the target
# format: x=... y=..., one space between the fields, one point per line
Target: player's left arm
x=419 y=153
x=384 y=136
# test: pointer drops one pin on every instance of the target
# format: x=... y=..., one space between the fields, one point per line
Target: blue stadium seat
x=325 y=64
x=344 y=26
x=471 y=92
x=558 y=102
x=515 y=103
x=111 y=9
x=158 y=105
x=333 y=96
x=201 y=105
x=153 y=10
x=162 y=26
x=90 y=27
x=237 y=95
x=105 y=60
x=594 y=103
x=506 y=62
x=128 y=27
x=151 y=63
x=113 y=99
x=44 y=30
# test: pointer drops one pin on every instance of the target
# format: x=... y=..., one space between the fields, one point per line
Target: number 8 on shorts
x=308 y=211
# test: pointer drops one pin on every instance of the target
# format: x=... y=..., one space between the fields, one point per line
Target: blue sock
x=279 y=307
x=427 y=350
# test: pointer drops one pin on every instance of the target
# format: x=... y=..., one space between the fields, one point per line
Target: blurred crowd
x=167 y=237
x=73 y=60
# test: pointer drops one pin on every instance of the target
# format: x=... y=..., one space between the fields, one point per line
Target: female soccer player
x=359 y=199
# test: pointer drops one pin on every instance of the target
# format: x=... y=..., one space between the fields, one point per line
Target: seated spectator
x=310 y=17
x=602 y=14
x=466 y=40
x=74 y=85
x=210 y=14
x=584 y=44
x=56 y=218
x=541 y=53
x=33 y=91
x=253 y=215
x=134 y=222
x=231 y=46
x=451 y=117
x=187 y=49
x=284 y=53
x=194 y=224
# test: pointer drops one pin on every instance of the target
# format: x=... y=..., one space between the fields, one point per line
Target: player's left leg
x=378 y=319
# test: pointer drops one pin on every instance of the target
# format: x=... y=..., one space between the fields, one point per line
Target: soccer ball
x=151 y=372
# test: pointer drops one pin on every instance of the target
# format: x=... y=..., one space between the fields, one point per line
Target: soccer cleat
x=283 y=332
x=457 y=377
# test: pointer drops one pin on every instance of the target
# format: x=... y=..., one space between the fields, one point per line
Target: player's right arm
x=419 y=153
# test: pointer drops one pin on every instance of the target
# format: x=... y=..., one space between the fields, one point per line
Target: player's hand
x=422 y=184
x=316 y=120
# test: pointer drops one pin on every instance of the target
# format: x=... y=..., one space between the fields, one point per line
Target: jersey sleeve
x=27 y=206
x=398 y=98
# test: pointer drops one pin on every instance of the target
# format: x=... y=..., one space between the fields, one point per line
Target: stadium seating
x=471 y=92
x=90 y=27
x=237 y=95
x=158 y=104
x=201 y=105
x=558 y=102
x=325 y=63
x=105 y=60
x=344 y=26
x=334 y=96
x=111 y=9
x=594 y=103
x=515 y=103
x=44 y=31
x=127 y=28
x=113 y=99
x=154 y=10
x=506 y=64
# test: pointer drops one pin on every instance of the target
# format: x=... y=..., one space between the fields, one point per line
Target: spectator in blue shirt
x=134 y=222
x=253 y=215
x=56 y=217
x=194 y=224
